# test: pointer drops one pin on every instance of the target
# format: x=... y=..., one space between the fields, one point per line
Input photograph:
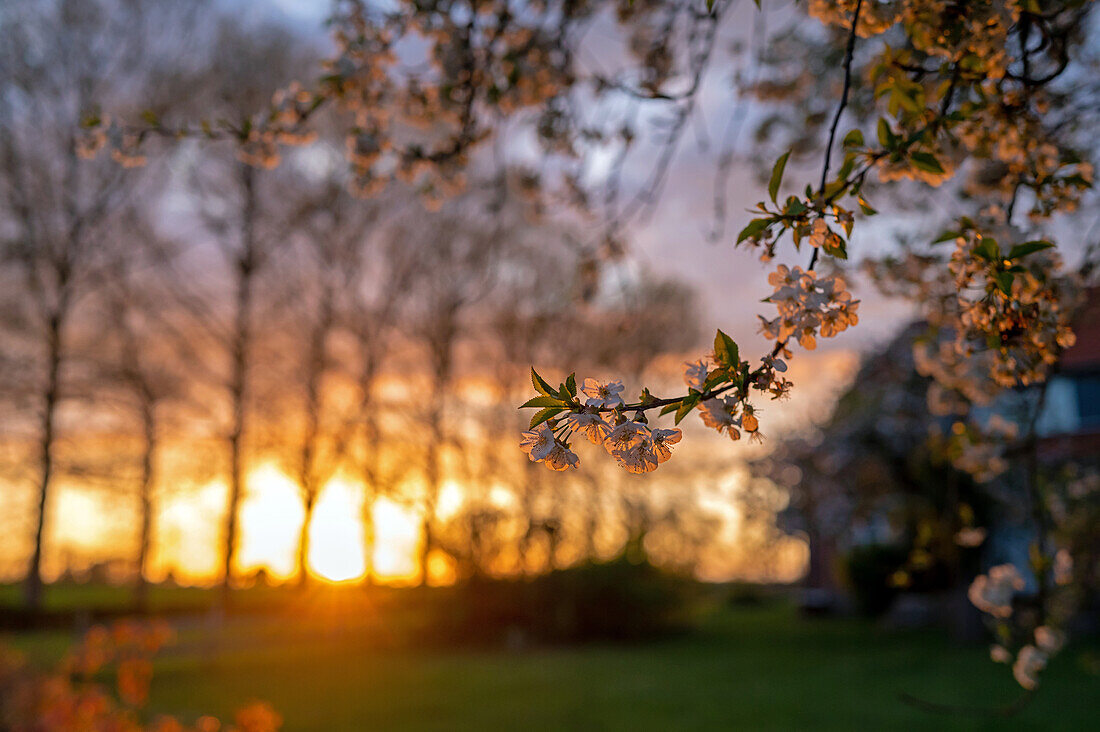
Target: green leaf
x=866 y=207
x=885 y=136
x=725 y=350
x=794 y=206
x=714 y=378
x=670 y=408
x=946 y=236
x=1004 y=282
x=834 y=187
x=571 y=384
x=1028 y=247
x=988 y=249
x=540 y=384
x=754 y=229
x=777 y=175
x=926 y=162
x=838 y=250
x=684 y=409
x=545 y=414
x=710 y=5
x=854 y=138
x=847 y=167
x=542 y=401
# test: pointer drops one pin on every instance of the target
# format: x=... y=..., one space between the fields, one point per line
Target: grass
x=758 y=668
x=338 y=665
x=72 y=597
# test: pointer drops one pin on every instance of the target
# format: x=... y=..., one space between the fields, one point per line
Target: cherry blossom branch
x=848 y=53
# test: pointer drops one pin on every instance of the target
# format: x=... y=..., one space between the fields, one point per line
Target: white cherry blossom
x=1029 y=662
x=603 y=395
x=591 y=425
x=993 y=593
x=561 y=458
x=538 y=443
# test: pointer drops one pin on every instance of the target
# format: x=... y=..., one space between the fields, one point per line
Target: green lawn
x=748 y=668
x=74 y=597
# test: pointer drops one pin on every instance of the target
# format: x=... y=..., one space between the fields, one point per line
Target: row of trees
x=990 y=102
x=187 y=319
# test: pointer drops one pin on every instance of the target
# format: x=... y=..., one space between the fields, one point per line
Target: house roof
x=1084 y=355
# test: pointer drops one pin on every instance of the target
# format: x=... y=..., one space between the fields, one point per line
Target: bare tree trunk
x=148 y=477
x=370 y=484
x=246 y=268
x=527 y=507
x=441 y=344
x=433 y=483
x=369 y=540
x=308 y=481
x=33 y=583
x=303 y=542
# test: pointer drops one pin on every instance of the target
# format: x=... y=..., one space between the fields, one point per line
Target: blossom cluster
x=635 y=446
x=1011 y=304
x=979 y=448
x=730 y=414
x=418 y=126
x=934 y=28
x=998 y=317
x=718 y=387
x=993 y=593
x=1021 y=153
x=808 y=306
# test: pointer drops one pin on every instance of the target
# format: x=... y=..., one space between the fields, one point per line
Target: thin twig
x=848 y=53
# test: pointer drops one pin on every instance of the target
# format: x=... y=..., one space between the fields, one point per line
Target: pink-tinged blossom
x=603 y=395
x=695 y=374
x=561 y=458
x=1048 y=640
x=538 y=443
x=808 y=306
x=1029 y=662
x=1063 y=567
x=819 y=233
x=638 y=458
x=625 y=436
x=591 y=425
x=718 y=414
x=749 y=420
x=993 y=593
x=661 y=439
x=970 y=536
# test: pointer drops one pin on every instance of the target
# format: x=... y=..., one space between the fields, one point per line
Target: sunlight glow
x=336 y=533
x=271 y=517
x=397 y=535
x=187 y=543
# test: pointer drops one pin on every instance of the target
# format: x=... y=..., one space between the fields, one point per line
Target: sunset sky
x=672 y=240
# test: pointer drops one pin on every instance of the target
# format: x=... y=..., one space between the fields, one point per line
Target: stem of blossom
x=849 y=51
x=843 y=95
x=664 y=402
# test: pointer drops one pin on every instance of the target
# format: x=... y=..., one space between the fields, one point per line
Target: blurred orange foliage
x=74 y=695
